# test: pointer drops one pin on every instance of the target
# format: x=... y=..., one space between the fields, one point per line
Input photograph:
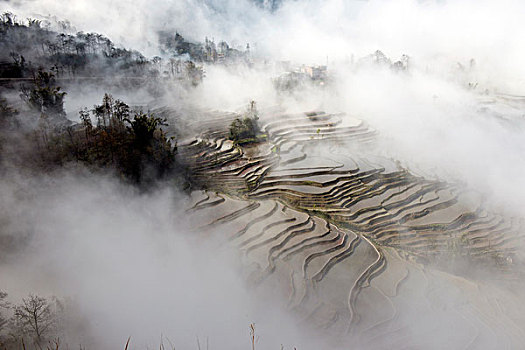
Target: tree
x=133 y=142
x=45 y=96
x=242 y=130
x=194 y=73
x=7 y=115
x=86 y=122
x=8 y=122
x=34 y=316
x=111 y=113
x=149 y=148
x=3 y=305
x=245 y=130
x=144 y=127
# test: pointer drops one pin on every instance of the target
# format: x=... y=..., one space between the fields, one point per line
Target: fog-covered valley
x=218 y=174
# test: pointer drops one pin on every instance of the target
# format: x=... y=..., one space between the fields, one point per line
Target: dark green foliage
x=45 y=96
x=243 y=130
x=27 y=46
x=246 y=130
x=110 y=113
x=208 y=51
x=132 y=143
x=86 y=54
x=144 y=127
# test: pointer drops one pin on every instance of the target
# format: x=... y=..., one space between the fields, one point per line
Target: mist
x=131 y=263
x=436 y=34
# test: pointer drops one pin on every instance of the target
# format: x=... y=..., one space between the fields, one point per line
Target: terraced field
x=360 y=246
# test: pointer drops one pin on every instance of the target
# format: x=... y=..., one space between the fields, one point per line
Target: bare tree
x=34 y=316
x=3 y=305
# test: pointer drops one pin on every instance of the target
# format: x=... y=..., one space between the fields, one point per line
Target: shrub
x=243 y=130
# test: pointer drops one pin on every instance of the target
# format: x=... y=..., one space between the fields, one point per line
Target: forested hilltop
x=28 y=46
x=41 y=70
x=38 y=66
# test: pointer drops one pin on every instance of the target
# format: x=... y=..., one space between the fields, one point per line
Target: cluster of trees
x=271 y=5
x=113 y=136
x=176 y=45
x=26 y=46
x=208 y=51
x=33 y=321
x=246 y=129
x=44 y=95
x=291 y=81
x=110 y=135
x=243 y=130
x=180 y=69
x=379 y=58
x=23 y=134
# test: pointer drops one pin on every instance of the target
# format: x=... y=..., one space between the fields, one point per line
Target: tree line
x=25 y=47
x=111 y=135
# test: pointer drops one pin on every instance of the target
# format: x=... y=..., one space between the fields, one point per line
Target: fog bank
x=129 y=266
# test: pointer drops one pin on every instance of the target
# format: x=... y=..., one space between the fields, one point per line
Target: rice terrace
x=262 y=174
